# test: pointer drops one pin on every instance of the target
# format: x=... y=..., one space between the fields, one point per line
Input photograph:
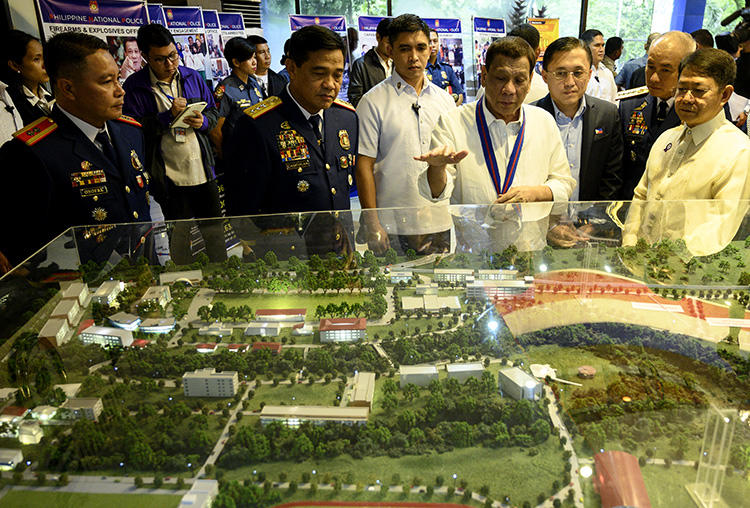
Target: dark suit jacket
x=366 y=73
x=276 y=83
x=601 y=149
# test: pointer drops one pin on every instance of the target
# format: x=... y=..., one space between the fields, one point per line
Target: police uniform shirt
x=276 y=164
x=442 y=75
x=232 y=97
x=710 y=161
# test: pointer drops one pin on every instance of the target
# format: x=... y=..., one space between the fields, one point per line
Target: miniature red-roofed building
x=85 y=324
x=237 y=348
x=343 y=330
x=280 y=314
x=16 y=411
x=619 y=481
x=206 y=348
x=140 y=343
x=274 y=347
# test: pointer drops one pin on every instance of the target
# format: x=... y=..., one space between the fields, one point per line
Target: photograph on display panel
x=126 y=53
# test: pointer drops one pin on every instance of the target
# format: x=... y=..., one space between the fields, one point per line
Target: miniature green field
x=288 y=301
x=507 y=471
x=27 y=499
x=303 y=394
x=370 y=496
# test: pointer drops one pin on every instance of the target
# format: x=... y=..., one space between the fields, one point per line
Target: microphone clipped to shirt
x=416 y=107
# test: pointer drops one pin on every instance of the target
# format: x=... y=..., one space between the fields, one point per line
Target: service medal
x=85 y=165
x=135 y=161
x=343 y=162
x=303 y=185
x=344 y=139
x=99 y=213
x=285 y=125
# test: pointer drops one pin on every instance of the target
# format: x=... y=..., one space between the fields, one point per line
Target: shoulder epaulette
x=344 y=104
x=262 y=107
x=130 y=120
x=36 y=131
x=633 y=92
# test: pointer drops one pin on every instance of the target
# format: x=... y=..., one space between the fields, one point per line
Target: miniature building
x=159 y=294
x=293 y=416
x=106 y=337
x=108 y=291
x=517 y=384
x=158 y=325
x=237 y=348
x=280 y=314
x=619 y=481
x=87 y=407
x=55 y=331
x=496 y=275
x=209 y=383
x=30 y=433
x=263 y=329
x=586 y=372
x=343 y=330
x=302 y=329
x=68 y=310
x=499 y=289
x=201 y=494
x=125 y=321
x=453 y=275
x=274 y=347
x=427 y=289
x=206 y=348
x=13 y=414
x=364 y=390
x=434 y=303
x=76 y=291
x=463 y=371
x=420 y=375
x=43 y=413
x=10 y=458
x=400 y=275
x=188 y=276
x=412 y=302
x=215 y=329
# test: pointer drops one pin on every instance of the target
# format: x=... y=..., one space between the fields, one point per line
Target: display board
x=338 y=25
x=549 y=31
x=368 y=26
x=115 y=21
x=231 y=25
x=484 y=32
x=156 y=14
x=451 y=45
x=215 y=68
x=186 y=25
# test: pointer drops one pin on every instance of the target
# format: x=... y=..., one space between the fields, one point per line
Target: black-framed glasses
x=162 y=60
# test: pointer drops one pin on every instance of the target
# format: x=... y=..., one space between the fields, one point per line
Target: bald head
x=664 y=56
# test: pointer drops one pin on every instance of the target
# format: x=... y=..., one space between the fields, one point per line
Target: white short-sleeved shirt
x=602 y=84
x=709 y=162
x=392 y=133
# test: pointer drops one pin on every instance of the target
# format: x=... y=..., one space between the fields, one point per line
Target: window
x=628 y=19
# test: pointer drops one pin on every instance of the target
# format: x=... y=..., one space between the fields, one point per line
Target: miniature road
x=554 y=415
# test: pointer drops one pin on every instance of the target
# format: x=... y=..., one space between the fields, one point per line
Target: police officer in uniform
x=649 y=111
x=441 y=73
x=296 y=151
x=81 y=166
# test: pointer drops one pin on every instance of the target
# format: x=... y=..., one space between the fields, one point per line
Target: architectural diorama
x=591 y=376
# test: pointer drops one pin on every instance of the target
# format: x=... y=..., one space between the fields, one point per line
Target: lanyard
x=489 y=152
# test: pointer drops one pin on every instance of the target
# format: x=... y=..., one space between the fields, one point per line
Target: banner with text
x=368 y=26
x=338 y=25
x=549 y=32
x=484 y=32
x=231 y=25
x=115 y=21
x=156 y=14
x=215 y=69
x=186 y=25
x=451 y=49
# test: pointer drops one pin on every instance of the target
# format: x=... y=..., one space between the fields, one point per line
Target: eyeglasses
x=561 y=75
x=695 y=92
x=162 y=60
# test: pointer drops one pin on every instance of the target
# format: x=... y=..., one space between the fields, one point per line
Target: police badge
x=344 y=139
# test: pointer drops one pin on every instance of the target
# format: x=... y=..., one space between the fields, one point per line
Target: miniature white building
x=363 y=390
x=158 y=325
x=420 y=375
x=10 y=458
x=43 y=413
x=400 y=275
x=188 y=276
x=293 y=416
x=434 y=303
x=125 y=321
x=496 y=274
x=206 y=348
x=463 y=371
x=68 y=310
x=302 y=329
x=86 y=407
x=517 y=384
x=30 y=433
x=499 y=289
x=106 y=337
x=412 y=302
x=209 y=383
x=263 y=329
x=427 y=289
x=108 y=291
x=76 y=291
x=292 y=315
x=201 y=494
x=215 y=329
x=343 y=330
x=55 y=329
x=453 y=275
x=159 y=294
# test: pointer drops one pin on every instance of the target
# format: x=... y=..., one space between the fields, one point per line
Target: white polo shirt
x=602 y=84
x=393 y=133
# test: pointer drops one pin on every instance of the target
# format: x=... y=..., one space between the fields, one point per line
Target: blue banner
x=444 y=25
x=184 y=19
x=490 y=26
x=156 y=14
x=210 y=20
x=92 y=13
x=335 y=23
x=231 y=22
x=369 y=23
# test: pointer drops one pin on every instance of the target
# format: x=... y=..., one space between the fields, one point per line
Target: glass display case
x=574 y=354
